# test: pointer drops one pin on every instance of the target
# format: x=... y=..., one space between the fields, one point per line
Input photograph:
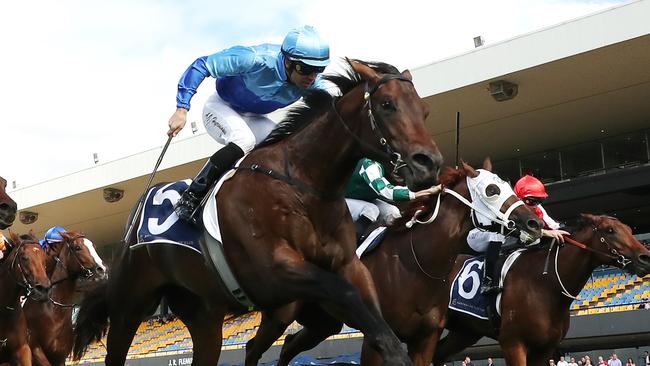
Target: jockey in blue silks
x=52 y=235
x=251 y=82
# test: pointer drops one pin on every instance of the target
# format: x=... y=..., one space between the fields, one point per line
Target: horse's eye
x=388 y=105
x=492 y=190
x=24 y=258
x=611 y=230
x=76 y=248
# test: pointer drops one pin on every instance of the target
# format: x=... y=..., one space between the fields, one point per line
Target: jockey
x=52 y=235
x=251 y=82
x=532 y=192
x=368 y=195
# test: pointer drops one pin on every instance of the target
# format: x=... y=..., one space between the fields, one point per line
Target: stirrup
x=186 y=207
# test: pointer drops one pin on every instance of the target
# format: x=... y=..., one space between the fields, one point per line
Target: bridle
x=86 y=272
x=24 y=282
x=376 y=125
x=612 y=253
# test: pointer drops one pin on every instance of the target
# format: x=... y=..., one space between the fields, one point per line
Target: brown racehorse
x=409 y=270
x=22 y=274
x=286 y=230
x=539 y=320
x=50 y=323
x=7 y=207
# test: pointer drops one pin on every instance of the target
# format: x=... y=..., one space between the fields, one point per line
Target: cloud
x=91 y=76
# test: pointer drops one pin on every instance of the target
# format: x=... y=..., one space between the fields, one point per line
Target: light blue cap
x=306 y=45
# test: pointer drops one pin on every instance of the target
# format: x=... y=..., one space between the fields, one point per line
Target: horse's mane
x=316 y=102
x=449 y=178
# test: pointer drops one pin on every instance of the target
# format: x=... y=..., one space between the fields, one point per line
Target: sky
x=88 y=76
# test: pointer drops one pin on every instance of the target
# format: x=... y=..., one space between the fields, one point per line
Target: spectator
x=587 y=360
x=630 y=362
x=551 y=362
x=562 y=362
x=601 y=361
x=573 y=362
x=614 y=361
x=468 y=361
x=646 y=359
x=490 y=362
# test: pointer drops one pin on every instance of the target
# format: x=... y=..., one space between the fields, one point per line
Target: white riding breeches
x=374 y=210
x=226 y=125
x=479 y=240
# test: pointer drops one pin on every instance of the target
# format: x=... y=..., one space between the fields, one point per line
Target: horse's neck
x=575 y=265
x=324 y=154
x=64 y=290
x=9 y=288
x=437 y=244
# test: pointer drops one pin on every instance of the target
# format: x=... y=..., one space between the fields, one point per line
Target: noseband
x=377 y=126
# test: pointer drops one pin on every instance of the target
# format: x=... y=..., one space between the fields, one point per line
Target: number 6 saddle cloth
x=465 y=296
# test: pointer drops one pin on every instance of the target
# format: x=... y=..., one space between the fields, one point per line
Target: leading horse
x=538 y=305
x=286 y=229
x=7 y=207
x=50 y=323
x=22 y=275
x=410 y=267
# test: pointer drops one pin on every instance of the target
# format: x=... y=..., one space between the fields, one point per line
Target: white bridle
x=486 y=208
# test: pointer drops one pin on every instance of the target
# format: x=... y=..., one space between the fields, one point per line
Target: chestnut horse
x=538 y=305
x=22 y=275
x=50 y=323
x=409 y=270
x=286 y=229
x=7 y=207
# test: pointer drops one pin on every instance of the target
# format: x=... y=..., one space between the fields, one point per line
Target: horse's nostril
x=644 y=258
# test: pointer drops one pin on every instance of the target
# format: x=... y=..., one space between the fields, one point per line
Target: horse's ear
x=65 y=235
x=15 y=239
x=365 y=71
x=487 y=164
x=407 y=74
x=587 y=219
x=32 y=234
x=469 y=171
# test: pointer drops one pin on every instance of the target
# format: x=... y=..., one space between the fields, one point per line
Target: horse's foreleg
x=273 y=325
x=318 y=325
x=421 y=350
x=515 y=353
x=451 y=344
x=22 y=356
x=306 y=280
x=39 y=358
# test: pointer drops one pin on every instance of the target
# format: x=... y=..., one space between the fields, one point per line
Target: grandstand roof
x=575 y=79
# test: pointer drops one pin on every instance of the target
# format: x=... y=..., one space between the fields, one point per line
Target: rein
x=388 y=152
x=613 y=254
x=87 y=272
x=24 y=283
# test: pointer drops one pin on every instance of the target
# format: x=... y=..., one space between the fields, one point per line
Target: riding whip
x=457 y=136
x=141 y=200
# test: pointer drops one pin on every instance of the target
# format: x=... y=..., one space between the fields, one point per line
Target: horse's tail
x=92 y=320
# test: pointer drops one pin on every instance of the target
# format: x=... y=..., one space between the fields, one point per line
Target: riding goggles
x=304 y=69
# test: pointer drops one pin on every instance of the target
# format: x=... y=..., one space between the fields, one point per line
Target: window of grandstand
x=508 y=169
x=581 y=160
x=545 y=166
x=625 y=151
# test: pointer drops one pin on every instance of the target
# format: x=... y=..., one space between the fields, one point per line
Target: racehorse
x=409 y=269
x=538 y=305
x=286 y=229
x=50 y=323
x=22 y=275
x=7 y=207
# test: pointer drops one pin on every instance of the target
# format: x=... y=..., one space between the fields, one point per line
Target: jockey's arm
x=373 y=174
x=553 y=230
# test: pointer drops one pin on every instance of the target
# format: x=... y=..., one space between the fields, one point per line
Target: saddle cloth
x=159 y=225
x=465 y=296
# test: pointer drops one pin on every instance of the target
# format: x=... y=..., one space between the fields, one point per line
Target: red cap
x=529 y=186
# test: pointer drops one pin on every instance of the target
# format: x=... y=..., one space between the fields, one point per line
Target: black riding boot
x=218 y=164
x=490 y=283
x=363 y=226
